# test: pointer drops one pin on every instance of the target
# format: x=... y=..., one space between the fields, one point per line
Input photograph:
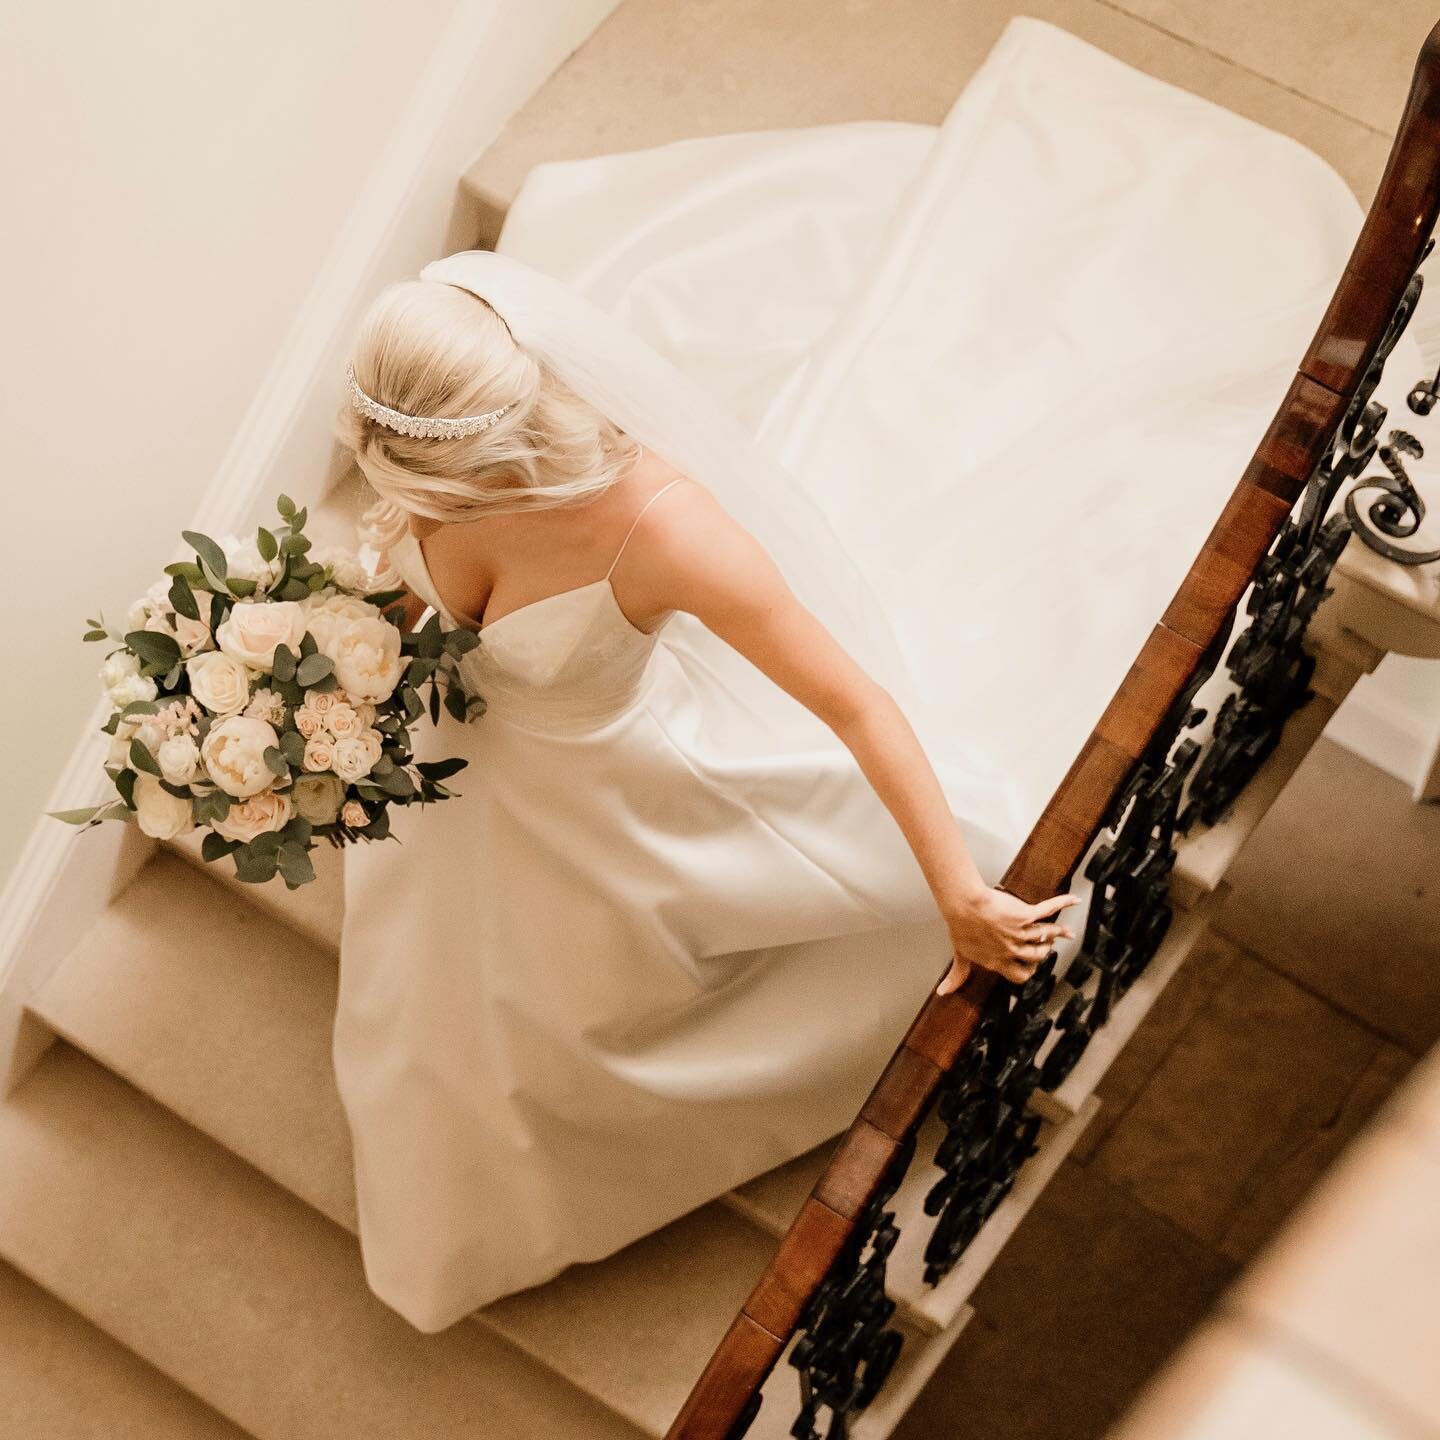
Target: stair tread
x=223 y=1015
x=242 y=1293
x=61 y=1378
x=315 y=911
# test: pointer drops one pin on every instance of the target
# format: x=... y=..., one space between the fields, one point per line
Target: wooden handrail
x=1386 y=253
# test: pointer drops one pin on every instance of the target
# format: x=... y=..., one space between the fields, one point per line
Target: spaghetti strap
x=636 y=520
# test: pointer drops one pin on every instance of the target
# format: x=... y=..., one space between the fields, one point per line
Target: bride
x=712 y=455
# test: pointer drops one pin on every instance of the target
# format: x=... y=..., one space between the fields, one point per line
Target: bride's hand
x=1001 y=932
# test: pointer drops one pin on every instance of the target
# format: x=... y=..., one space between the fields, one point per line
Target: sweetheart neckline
x=530 y=605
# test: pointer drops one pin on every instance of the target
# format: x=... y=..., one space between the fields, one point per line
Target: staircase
x=178 y=1175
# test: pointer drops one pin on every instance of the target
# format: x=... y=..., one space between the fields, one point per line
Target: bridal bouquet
x=265 y=694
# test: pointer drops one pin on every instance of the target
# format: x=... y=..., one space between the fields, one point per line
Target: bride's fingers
x=1043 y=909
x=955 y=977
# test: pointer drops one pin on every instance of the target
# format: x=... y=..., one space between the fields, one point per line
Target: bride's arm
x=698 y=559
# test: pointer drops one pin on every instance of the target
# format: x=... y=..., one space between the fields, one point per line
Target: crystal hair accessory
x=426 y=427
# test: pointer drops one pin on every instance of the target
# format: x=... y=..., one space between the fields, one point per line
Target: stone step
x=63 y=1379
x=224 y=1016
x=245 y=1296
x=221 y=1014
x=773 y=1200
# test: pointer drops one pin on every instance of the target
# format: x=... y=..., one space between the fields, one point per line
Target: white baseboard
x=486 y=62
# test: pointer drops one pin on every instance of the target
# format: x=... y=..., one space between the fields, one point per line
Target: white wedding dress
x=668 y=936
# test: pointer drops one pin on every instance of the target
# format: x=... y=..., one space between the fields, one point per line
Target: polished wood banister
x=1386 y=253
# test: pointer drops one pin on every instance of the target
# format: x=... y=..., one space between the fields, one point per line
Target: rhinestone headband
x=428 y=427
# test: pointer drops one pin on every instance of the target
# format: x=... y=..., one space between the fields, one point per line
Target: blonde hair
x=436 y=349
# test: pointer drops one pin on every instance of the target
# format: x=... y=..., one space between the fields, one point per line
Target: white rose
x=319 y=752
x=119 y=751
x=234 y=755
x=367 y=657
x=151 y=733
x=343 y=720
x=317 y=798
x=355 y=756
x=119 y=665
x=322 y=702
x=354 y=815
x=220 y=683
x=254 y=816
x=159 y=813
x=244 y=562
x=252 y=630
x=137 y=614
x=193 y=636
x=345 y=566
x=131 y=689
x=179 y=759
x=307 y=722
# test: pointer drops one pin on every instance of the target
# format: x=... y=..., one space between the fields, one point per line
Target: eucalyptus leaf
x=155 y=648
x=314 y=667
x=242 y=587
x=292 y=742
x=182 y=597
x=215 y=847
x=209 y=552
x=295 y=865
x=285 y=505
x=266 y=544
x=215 y=579
x=142 y=759
x=441 y=769
x=283 y=667
x=82 y=816
x=275 y=759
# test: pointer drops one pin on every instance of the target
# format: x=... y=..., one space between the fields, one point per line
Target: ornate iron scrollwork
x=1269 y=662
x=990 y=1129
x=1177 y=780
x=846 y=1348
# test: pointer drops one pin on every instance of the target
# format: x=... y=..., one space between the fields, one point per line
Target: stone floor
x=1280 y=1036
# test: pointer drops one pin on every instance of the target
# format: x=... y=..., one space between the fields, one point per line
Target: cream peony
x=326 y=615
x=179 y=759
x=252 y=630
x=319 y=753
x=354 y=815
x=355 y=756
x=368 y=662
x=249 y=818
x=221 y=684
x=160 y=814
x=318 y=798
x=234 y=755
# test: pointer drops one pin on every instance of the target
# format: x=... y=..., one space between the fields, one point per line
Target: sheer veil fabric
x=981 y=389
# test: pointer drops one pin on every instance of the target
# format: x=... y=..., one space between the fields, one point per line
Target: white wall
x=178 y=180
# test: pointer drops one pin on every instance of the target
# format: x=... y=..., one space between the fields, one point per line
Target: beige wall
x=182 y=174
